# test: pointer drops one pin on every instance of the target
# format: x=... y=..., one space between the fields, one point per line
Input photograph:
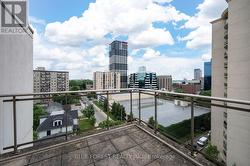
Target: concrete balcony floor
x=126 y=145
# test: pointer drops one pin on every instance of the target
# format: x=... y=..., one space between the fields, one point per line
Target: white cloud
x=126 y=17
x=178 y=67
x=80 y=62
x=79 y=44
x=206 y=57
x=163 y=1
x=151 y=37
x=208 y=10
x=150 y=53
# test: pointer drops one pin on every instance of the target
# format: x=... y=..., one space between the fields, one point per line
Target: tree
x=89 y=111
x=151 y=121
x=118 y=111
x=74 y=88
x=71 y=98
x=93 y=120
x=37 y=112
x=130 y=117
x=91 y=95
x=178 y=90
x=109 y=123
x=105 y=105
x=81 y=84
x=212 y=151
x=206 y=93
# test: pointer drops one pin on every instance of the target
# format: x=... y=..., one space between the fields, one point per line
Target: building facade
x=16 y=73
x=188 y=86
x=50 y=81
x=164 y=82
x=118 y=60
x=55 y=123
x=197 y=74
x=231 y=78
x=106 y=80
x=207 y=75
x=143 y=79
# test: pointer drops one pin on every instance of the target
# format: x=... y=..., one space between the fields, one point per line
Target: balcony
x=135 y=141
x=226 y=45
x=226 y=25
x=127 y=145
x=225 y=55
x=225 y=75
x=226 y=35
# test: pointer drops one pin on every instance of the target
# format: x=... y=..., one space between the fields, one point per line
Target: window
x=57 y=123
x=48 y=132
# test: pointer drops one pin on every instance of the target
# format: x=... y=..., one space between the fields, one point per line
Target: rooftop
x=125 y=145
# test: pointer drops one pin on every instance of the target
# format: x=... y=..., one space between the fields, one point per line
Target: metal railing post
x=108 y=110
x=192 y=126
x=131 y=105
x=155 y=125
x=139 y=106
x=14 y=124
x=66 y=120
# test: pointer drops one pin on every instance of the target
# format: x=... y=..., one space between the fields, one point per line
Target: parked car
x=202 y=141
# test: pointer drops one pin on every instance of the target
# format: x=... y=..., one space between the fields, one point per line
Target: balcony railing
x=193 y=101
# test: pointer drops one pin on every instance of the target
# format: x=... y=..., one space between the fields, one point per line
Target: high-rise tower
x=118 y=60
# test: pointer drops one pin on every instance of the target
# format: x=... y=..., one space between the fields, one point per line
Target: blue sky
x=167 y=36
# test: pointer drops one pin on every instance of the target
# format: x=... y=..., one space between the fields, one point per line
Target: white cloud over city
x=80 y=44
x=201 y=36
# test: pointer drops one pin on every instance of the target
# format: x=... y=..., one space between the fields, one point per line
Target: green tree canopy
x=71 y=98
x=151 y=121
x=206 y=93
x=80 y=84
x=109 y=123
x=118 y=111
x=212 y=151
x=37 y=112
x=105 y=105
x=89 y=111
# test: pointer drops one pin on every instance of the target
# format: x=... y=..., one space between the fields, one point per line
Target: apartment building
x=164 y=82
x=231 y=78
x=50 y=81
x=118 y=60
x=106 y=80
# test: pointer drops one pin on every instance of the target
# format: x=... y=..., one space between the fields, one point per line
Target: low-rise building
x=56 y=122
x=190 y=86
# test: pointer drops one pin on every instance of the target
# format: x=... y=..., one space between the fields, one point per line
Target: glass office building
x=118 y=60
x=207 y=75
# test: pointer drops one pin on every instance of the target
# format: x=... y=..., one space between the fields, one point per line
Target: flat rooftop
x=126 y=145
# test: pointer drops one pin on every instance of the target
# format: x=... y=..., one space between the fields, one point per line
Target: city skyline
x=144 y=104
x=172 y=38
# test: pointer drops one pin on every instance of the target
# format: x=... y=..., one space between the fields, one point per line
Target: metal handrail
x=187 y=97
x=245 y=102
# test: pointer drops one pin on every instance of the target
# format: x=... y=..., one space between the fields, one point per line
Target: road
x=99 y=114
